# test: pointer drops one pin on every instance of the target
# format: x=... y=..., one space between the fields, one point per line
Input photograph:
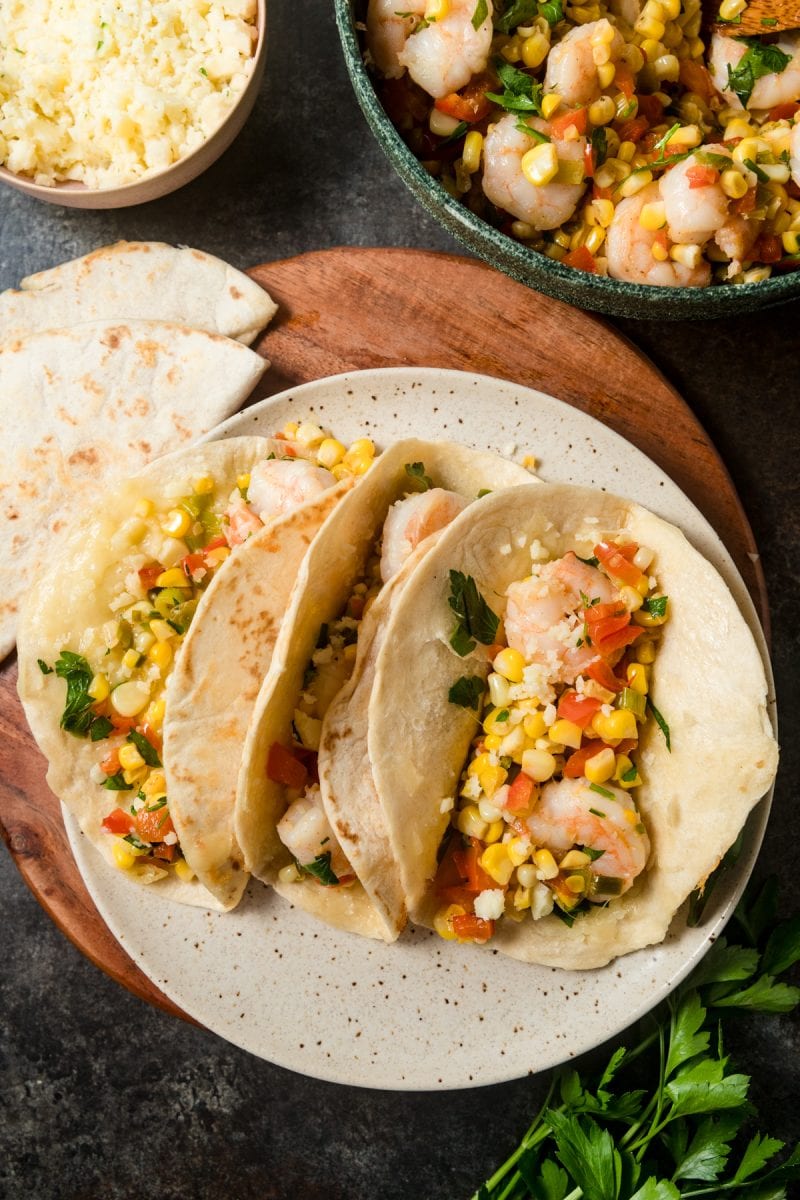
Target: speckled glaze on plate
x=423 y=1013
x=527 y=266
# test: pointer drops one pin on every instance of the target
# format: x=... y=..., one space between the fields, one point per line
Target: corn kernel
x=309 y=434
x=497 y=721
x=526 y=875
x=243 y=481
x=616 y=726
x=203 y=485
x=570 y=171
x=605 y=212
x=539 y=764
x=131 y=697
x=600 y=766
x=494 y=832
x=513 y=744
x=566 y=733
x=470 y=822
x=535 y=49
x=685 y=138
x=330 y=453
x=161 y=630
x=550 y=105
x=155 y=784
x=521 y=898
x=522 y=230
x=733 y=184
x=660 y=253
x=750 y=147
x=667 y=69
x=595 y=239
x=631 y=597
x=510 y=664
x=443 y=921
x=546 y=864
x=651 y=49
x=99 y=689
x=173 y=578
x=519 y=849
x=649 y=620
x=671 y=9
x=491 y=778
x=495 y=862
x=129 y=757
x=534 y=726
x=575 y=884
x=123 y=856
x=649 y=28
x=493 y=742
x=473 y=148
x=602 y=111
x=130 y=659
x=437 y=10
x=478 y=763
x=143 y=508
x=289 y=873
x=605 y=74
x=574 y=860
x=632 y=55
x=791 y=241
x=499 y=690
x=627 y=784
x=218 y=555
x=176 y=524
x=540 y=164
x=160 y=653
x=184 y=871
x=442 y=124
x=688 y=255
x=730 y=9
x=636 y=676
x=290 y=429
x=646 y=652
x=635 y=183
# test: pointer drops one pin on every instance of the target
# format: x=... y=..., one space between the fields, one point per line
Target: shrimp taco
x=565 y=726
x=143 y=648
x=325 y=854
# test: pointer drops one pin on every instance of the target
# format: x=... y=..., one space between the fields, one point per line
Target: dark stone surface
x=104 y=1097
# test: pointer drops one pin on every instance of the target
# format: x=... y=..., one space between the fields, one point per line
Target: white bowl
x=78 y=195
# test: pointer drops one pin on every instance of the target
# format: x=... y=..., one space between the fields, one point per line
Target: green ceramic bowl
x=527 y=266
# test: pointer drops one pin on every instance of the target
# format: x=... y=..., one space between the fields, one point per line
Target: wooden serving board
x=348 y=309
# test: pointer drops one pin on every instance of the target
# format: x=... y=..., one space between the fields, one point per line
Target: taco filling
x=168 y=554
x=305 y=829
x=546 y=819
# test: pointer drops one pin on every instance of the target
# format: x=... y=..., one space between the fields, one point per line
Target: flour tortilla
x=73 y=597
x=214 y=685
x=708 y=682
x=139 y=281
x=329 y=570
x=84 y=407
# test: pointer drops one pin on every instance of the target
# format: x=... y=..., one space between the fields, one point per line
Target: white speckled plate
x=423 y=1013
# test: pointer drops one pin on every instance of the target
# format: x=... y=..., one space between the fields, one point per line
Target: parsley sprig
x=521 y=92
x=79 y=717
x=679 y=1137
x=476 y=621
x=758 y=59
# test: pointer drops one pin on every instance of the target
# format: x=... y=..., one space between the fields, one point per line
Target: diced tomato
x=216 y=543
x=625 y=80
x=520 y=794
x=768 y=248
x=111 y=764
x=164 y=852
x=577 y=117
x=696 y=78
x=701 y=176
x=120 y=723
x=601 y=193
x=355 y=607
x=475 y=929
x=601 y=612
x=149 y=574
x=745 y=204
x=578 y=709
x=493 y=651
x=617 y=564
x=151 y=736
x=283 y=767
x=470 y=104
x=616 y=640
x=627 y=549
x=194 y=566
x=153 y=826
x=634 y=130
x=601 y=673
x=118 y=822
x=581 y=259
x=575 y=764
x=784 y=112
x=467 y=862
x=651 y=108
x=588 y=160
x=660 y=239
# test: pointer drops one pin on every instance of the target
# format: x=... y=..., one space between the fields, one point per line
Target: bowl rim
x=73 y=188
x=516 y=256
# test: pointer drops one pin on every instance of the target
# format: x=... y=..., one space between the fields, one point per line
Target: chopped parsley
x=656 y=606
x=136 y=842
x=203 y=71
x=521 y=92
x=145 y=748
x=158 y=804
x=459 y=131
x=524 y=12
x=502 y=716
x=523 y=127
x=757 y=60
x=660 y=722
x=629 y=775
x=467 y=692
x=590 y=562
x=476 y=621
x=78 y=717
x=601 y=791
x=43 y=667
x=116 y=783
x=592 y=853
x=321 y=869
x=599 y=140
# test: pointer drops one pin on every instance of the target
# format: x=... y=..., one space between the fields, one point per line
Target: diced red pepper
x=118 y=822
x=784 y=112
x=576 y=116
x=467 y=862
x=651 y=108
x=194 y=565
x=601 y=193
x=601 y=673
x=588 y=160
x=634 y=130
x=696 y=78
x=111 y=764
x=768 y=248
x=149 y=574
x=581 y=259
x=153 y=826
x=616 y=640
x=120 y=723
x=625 y=80
x=520 y=794
x=164 y=852
x=745 y=204
x=601 y=612
x=700 y=176
x=216 y=543
x=578 y=709
x=575 y=765
x=617 y=563
x=470 y=104
x=472 y=928
x=493 y=651
x=283 y=767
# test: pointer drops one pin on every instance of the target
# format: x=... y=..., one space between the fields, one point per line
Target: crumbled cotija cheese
x=108 y=91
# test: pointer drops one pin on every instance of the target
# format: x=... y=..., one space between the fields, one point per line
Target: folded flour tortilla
x=81 y=408
x=708 y=682
x=139 y=281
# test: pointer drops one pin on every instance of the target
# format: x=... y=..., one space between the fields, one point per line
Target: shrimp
x=503 y=182
x=568 y=813
x=629 y=249
x=795 y=154
x=694 y=214
x=277 y=485
x=412 y=520
x=542 y=618
x=306 y=833
x=571 y=67
x=737 y=236
x=441 y=57
x=628 y=11
x=779 y=87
